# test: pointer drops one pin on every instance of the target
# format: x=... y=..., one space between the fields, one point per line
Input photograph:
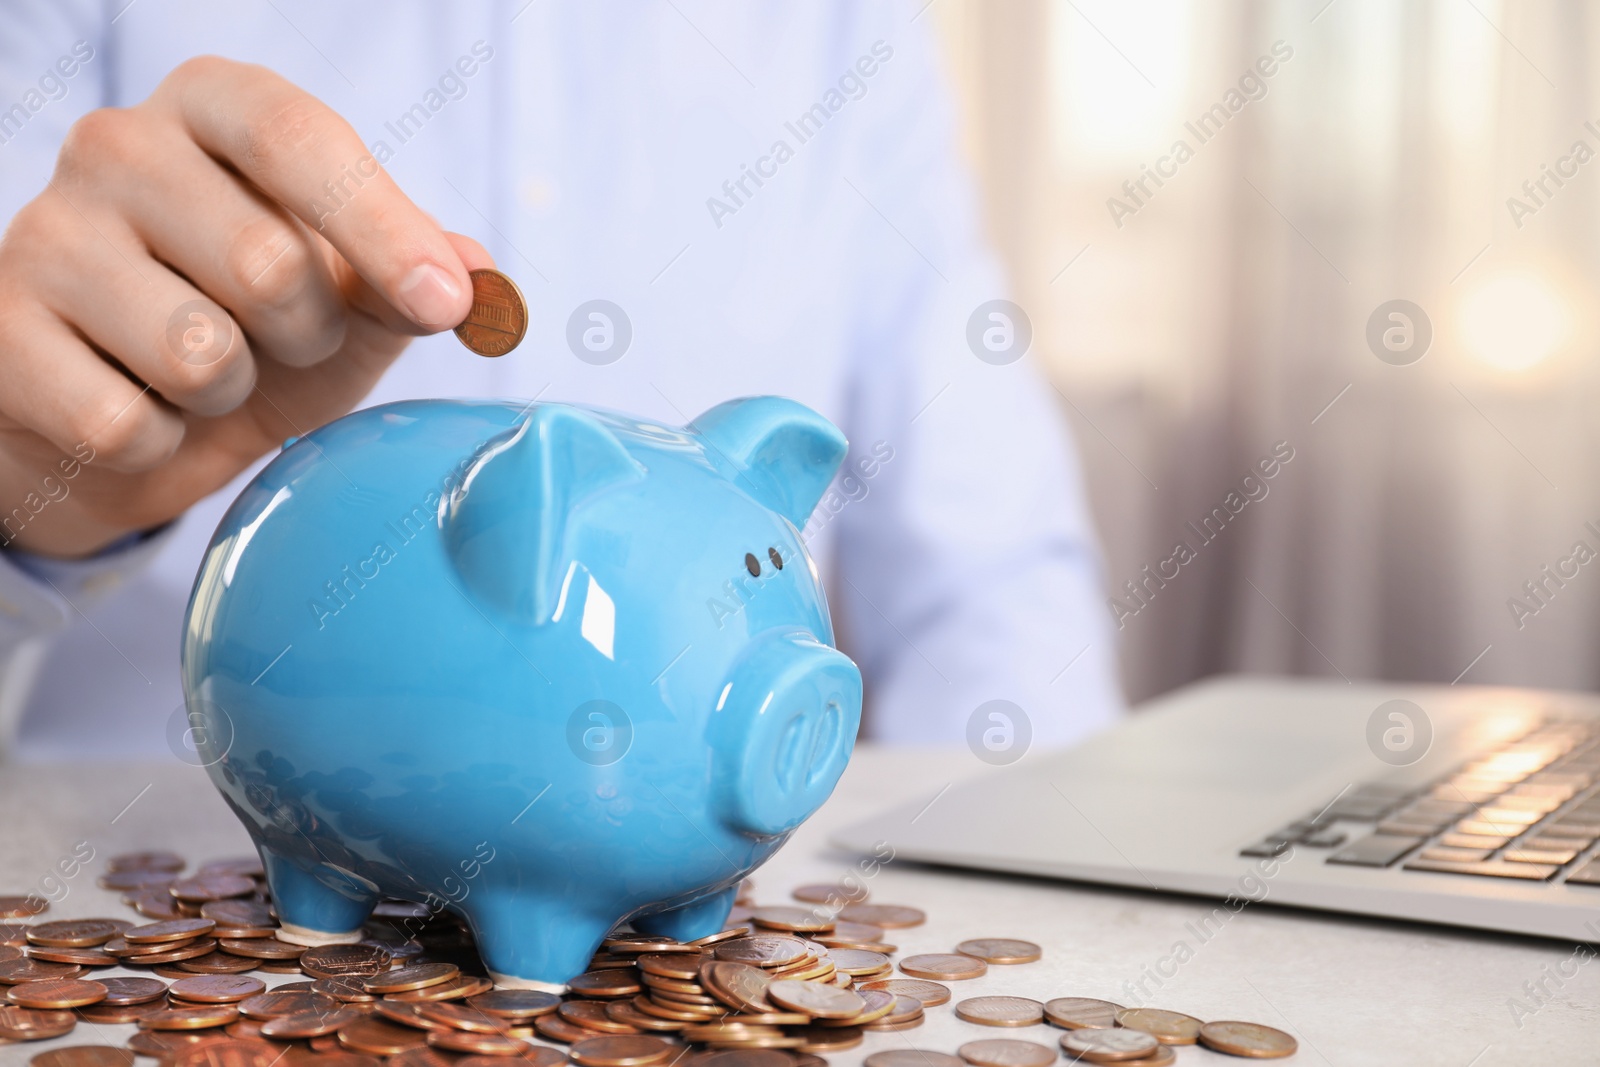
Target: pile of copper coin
x=781 y=986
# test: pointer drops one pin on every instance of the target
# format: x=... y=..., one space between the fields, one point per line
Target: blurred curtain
x=1226 y=310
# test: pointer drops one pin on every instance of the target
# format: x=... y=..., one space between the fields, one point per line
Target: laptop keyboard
x=1528 y=810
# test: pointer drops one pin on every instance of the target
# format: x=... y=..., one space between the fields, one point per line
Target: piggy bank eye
x=752 y=565
x=777 y=560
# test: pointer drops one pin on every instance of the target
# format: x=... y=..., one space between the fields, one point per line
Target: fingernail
x=429 y=295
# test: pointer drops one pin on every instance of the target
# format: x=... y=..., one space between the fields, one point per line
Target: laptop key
x=1510 y=815
x=1539 y=855
x=1577 y=844
x=1540 y=805
x=1483 y=841
x=1588 y=874
x=1535 y=872
x=1455 y=855
x=1489 y=829
x=1567 y=828
x=1376 y=850
x=1405 y=826
x=1324 y=839
x=1267 y=848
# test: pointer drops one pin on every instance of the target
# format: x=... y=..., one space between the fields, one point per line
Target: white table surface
x=1352 y=991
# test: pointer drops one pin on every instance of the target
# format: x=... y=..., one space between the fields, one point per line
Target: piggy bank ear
x=505 y=526
x=780 y=452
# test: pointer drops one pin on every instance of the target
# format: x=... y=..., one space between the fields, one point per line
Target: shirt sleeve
x=40 y=596
x=966 y=568
x=52 y=70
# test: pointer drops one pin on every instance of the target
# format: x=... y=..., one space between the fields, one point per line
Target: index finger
x=304 y=155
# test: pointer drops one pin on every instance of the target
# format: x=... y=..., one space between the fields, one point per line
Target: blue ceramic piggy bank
x=549 y=667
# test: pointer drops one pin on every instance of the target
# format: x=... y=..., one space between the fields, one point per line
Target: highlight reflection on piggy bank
x=549 y=666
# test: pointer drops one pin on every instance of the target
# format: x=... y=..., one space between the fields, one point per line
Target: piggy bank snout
x=786 y=726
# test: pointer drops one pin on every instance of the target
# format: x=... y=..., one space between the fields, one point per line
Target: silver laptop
x=1475 y=807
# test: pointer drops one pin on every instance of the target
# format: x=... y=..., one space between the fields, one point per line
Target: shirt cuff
x=40 y=594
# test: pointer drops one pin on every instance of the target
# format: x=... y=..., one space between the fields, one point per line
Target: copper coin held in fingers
x=84 y=1056
x=1247 y=1039
x=499 y=316
x=1081 y=1013
x=1000 y=950
x=1167 y=1027
x=943 y=967
x=1001 y=1011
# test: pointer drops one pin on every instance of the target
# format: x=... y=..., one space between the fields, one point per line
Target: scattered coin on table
x=1006 y=1052
x=780 y=986
x=943 y=966
x=57 y=994
x=1078 y=1013
x=1001 y=950
x=1167 y=1027
x=1247 y=1039
x=1001 y=1011
x=1108 y=1046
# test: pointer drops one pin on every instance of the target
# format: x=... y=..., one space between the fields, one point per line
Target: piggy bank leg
x=531 y=943
x=316 y=910
x=702 y=918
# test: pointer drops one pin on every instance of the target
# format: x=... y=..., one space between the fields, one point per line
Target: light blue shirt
x=769 y=192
